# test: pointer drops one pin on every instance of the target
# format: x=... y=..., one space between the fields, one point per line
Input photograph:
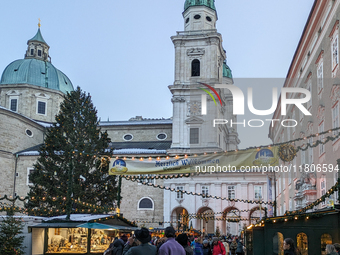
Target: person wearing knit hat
x=144 y=237
x=218 y=247
x=206 y=248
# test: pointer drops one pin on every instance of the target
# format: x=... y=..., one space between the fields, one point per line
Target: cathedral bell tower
x=200 y=64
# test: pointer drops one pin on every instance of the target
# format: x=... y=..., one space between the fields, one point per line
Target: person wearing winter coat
x=182 y=239
x=218 y=247
x=144 y=237
x=171 y=246
x=289 y=247
x=233 y=247
x=330 y=250
x=118 y=245
x=206 y=248
x=198 y=247
x=239 y=249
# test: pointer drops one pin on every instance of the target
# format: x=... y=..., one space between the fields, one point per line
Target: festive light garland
x=197 y=194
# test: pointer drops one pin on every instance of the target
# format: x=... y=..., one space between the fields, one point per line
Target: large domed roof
x=208 y=3
x=36 y=72
x=36 y=69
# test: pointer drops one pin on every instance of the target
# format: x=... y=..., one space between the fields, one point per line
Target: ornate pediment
x=195 y=52
x=321 y=113
x=194 y=120
x=335 y=93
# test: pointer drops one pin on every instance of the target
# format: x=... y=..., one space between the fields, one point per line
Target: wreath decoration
x=287 y=152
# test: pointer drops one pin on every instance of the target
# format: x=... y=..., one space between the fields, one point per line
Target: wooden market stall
x=82 y=234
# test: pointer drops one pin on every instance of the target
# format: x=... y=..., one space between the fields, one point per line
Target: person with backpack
x=218 y=247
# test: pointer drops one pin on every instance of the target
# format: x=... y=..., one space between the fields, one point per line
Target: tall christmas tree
x=71 y=165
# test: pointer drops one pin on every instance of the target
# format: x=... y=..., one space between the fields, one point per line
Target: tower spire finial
x=39 y=23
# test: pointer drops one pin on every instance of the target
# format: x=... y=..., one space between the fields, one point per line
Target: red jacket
x=218 y=249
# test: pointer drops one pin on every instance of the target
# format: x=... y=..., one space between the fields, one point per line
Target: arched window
x=145 y=203
x=325 y=239
x=195 y=67
x=302 y=243
x=278 y=244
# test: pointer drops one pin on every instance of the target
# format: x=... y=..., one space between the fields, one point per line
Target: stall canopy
x=95 y=225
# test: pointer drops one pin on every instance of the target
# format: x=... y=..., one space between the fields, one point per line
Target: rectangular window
x=303 y=157
x=335 y=57
x=258 y=192
x=14 y=105
x=310 y=151
x=309 y=87
x=321 y=146
x=205 y=190
x=39 y=53
x=179 y=194
x=41 y=107
x=231 y=192
x=320 y=77
x=290 y=205
x=194 y=134
x=335 y=118
x=29 y=172
x=32 y=52
x=323 y=188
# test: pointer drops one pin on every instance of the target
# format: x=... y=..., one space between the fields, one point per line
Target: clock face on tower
x=194 y=108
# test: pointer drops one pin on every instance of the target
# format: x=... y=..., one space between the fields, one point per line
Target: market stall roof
x=107 y=221
x=95 y=225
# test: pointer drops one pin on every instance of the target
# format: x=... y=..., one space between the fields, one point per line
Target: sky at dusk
x=121 y=52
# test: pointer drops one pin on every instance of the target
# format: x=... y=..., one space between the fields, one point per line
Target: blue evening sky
x=121 y=53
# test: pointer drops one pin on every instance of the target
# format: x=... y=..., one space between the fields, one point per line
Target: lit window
x=205 y=190
x=180 y=194
x=41 y=107
x=14 y=105
x=231 y=192
x=194 y=134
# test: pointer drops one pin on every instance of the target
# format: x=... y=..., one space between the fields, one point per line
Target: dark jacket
x=206 y=250
x=289 y=252
x=118 y=246
x=239 y=249
x=143 y=249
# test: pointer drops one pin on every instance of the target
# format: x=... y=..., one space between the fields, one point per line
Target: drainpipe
x=15 y=176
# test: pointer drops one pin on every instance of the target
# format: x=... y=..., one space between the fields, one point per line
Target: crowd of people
x=142 y=244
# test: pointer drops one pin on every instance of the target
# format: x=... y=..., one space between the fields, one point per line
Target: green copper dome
x=227 y=71
x=36 y=72
x=208 y=3
x=36 y=69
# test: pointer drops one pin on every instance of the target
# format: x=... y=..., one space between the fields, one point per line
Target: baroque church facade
x=32 y=89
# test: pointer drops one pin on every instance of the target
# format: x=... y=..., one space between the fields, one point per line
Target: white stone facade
x=315 y=67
